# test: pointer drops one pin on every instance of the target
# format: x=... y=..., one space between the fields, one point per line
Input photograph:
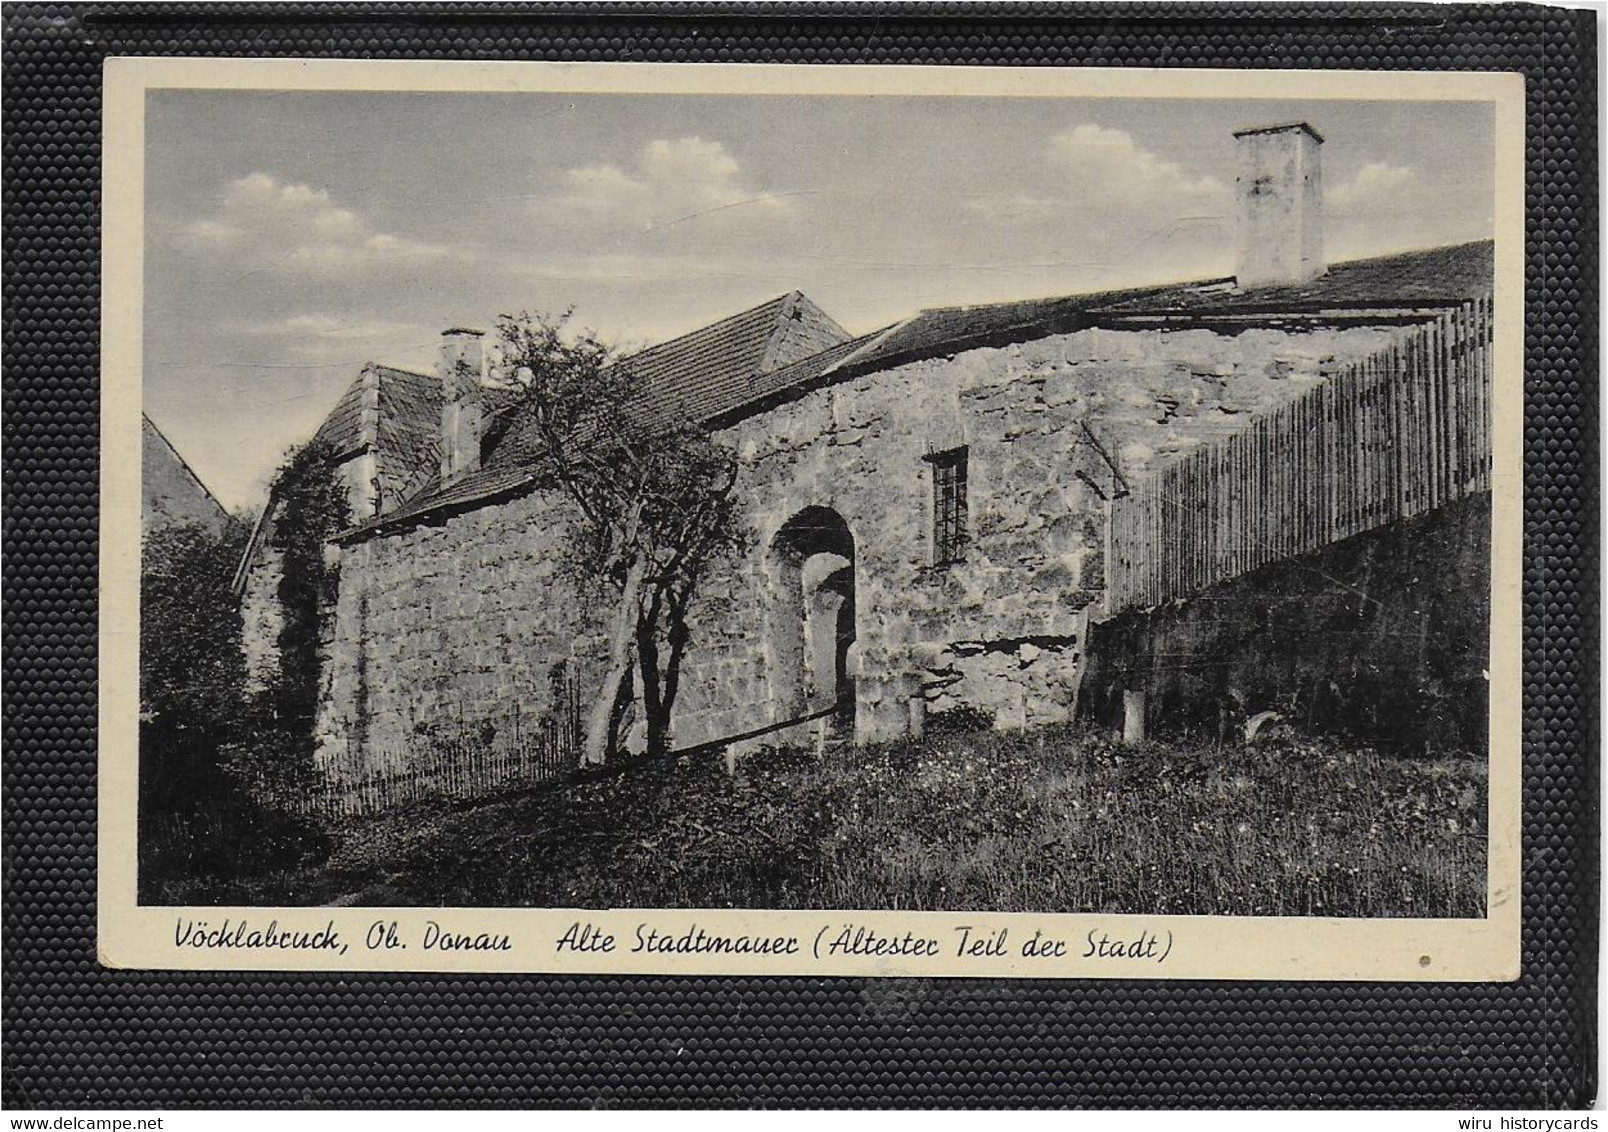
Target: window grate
x=948 y=506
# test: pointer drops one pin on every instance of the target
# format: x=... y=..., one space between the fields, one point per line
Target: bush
x=191 y=664
x=217 y=766
x=310 y=508
x=193 y=816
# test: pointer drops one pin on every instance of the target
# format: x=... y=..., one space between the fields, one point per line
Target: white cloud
x=261 y=220
x=1375 y=183
x=671 y=181
x=1104 y=202
x=1108 y=167
x=321 y=339
x=1111 y=212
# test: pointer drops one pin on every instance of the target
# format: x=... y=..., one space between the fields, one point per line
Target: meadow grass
x=1053 y=820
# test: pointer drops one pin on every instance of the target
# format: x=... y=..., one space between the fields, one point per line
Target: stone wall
x=262 y=616
x=464 y=619
x=1383 y=637
x=458 y=624
x=1051 y=427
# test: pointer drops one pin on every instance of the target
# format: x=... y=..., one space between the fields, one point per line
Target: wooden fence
x=1397 y=434
x=460 y=762
x=465 y=768
x=461 y=768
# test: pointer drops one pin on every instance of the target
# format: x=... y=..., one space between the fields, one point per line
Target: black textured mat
x=77 y=1035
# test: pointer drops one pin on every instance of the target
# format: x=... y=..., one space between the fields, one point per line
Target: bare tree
x=653 y=505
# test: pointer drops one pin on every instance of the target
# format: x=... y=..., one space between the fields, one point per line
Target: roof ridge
x=402 y=369
x=183 y=463
x=1172 y=285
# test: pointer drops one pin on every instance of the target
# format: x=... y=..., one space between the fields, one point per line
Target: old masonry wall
x=465 y=625
x=464 y=620
x=1051 y=427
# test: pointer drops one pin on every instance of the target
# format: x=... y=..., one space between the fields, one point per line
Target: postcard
x=908 y=521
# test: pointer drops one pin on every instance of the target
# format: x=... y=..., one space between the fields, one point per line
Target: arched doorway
x=812 y=619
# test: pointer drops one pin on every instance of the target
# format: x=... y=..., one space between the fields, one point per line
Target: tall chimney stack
x=461 y=366
x=1280 y=193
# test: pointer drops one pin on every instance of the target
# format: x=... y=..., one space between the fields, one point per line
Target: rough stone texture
x=463 y=620
x=1384 y=637
x=1049 y=426
x=452 y=625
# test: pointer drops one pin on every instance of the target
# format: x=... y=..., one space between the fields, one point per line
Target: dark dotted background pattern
x=79 y=1036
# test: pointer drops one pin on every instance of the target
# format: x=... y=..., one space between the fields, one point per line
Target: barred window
x=948 y=506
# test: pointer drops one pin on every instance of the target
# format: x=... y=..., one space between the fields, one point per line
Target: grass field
x=1058 y=820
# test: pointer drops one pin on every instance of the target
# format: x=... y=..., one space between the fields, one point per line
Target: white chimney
x=461 y=367
x=1280 y=192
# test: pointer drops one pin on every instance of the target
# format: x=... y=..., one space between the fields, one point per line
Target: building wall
x=452 y=625
x=1382 y=637
x=1043 y=422
x=464 y=619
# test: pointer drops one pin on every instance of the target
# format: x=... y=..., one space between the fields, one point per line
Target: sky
x=291 y=237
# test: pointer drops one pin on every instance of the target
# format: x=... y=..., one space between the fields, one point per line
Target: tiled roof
x=740 y=365
x=1430 y=277
x=407 y=428
x=408 y=431
x=1433 y=276
x=804 y=372
x=409 y=420
x=692 y=377
x=342 y=430
x=950 y=328
x=488 y=483
x=702 y=374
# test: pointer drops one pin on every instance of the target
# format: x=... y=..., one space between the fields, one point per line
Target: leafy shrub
x=310 y=508
x=191 y=665
x=217 y=766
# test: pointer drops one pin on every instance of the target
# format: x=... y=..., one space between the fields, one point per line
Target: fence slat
x=463 y=765
x=1395 y=434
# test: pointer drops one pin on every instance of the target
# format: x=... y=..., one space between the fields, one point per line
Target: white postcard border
x=1179 y=947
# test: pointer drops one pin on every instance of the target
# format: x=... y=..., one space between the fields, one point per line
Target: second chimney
x=462 y=365
x=1280 y=193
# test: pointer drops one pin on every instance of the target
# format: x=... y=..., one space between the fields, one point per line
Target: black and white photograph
x=897 y=502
